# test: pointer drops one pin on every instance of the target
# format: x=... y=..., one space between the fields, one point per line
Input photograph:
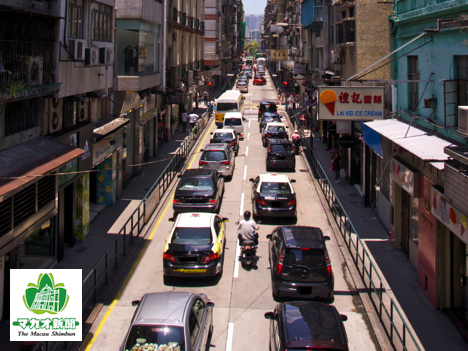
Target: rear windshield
x=196 y=184
x=275 y=188
x=232 y=122
x=270 y=108
x=191 y=236
x=284 y=149
x=156 y=336
x=226 y=106
x=310 y=258
x=271 y=119
x=214 y=156
x=276 y=129
x=223 y=136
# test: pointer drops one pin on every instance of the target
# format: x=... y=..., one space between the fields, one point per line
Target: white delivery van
x=233 y=120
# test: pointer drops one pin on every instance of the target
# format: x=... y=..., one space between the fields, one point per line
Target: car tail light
x=169 y=257
x=212 y=201
x=210 y=257
x=268 y=135
x=176 y=201
x=279 y=266
x=269 y=149
x=247 y=247
x=291 y=203
x=329 y=269
x=241 y=136
x=202 y=163
x=233 y=144
x=260 y=202
x=224 y=162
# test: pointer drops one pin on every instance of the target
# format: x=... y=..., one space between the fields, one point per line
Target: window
x=21 y=115
x=102 y=22
x=462 y=76
x=193 y=328
x=75 y=19
x=199 y=309
x=413 y=74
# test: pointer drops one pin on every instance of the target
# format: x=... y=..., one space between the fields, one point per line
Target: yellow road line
x=132 y=270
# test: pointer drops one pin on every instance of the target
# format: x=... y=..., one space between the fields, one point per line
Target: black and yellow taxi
x=195 y=245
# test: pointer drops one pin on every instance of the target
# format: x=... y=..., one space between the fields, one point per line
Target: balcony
x=190 y=22
x=183 y=19
x=175 y=15
x=346 y=31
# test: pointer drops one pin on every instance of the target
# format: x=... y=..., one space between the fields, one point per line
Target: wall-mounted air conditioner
x=463 y=119
x=54 y=114
x=76 y=49
x=82 y=110
x=91 y=56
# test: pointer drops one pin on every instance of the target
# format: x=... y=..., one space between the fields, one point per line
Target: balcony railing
x=190 y=22
x=197 y=24
x=175 y=15
x=183 y=19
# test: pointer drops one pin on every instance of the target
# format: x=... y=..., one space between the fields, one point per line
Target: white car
x=234 y=120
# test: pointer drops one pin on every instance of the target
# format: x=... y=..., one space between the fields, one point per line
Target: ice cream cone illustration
x=328 y=98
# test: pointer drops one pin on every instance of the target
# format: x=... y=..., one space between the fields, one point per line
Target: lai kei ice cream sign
x=449 y=215
x=405 y=178
x=351 y=103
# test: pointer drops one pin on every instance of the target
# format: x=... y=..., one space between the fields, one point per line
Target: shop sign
x=67 y=172
x=346 y=141
x=86 y=152
x=299 y=68
x=31 y=92
x=351 y=103
x=452 y=218
x=343 y=127
x=106 y=146
x=215 y=72
x=279 y=55
x=262 y=44
x=332 y=129
x=148 y=115
x=404 y=177
x=46 y=305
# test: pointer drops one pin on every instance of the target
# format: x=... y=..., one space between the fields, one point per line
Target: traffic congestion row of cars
x=300 y=265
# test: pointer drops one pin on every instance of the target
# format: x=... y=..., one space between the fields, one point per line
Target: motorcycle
x=296 y=142
x=248 y=252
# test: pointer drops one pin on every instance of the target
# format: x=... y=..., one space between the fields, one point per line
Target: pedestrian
x=336 y=166
x=193 y=120
x=205 y=96
x=185 y=118
x=303 y=122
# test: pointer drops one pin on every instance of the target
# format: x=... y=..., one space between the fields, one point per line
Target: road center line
x=248 y=134
x=249 y=122
x=245 y=169
x=246 y=151
x=229 y=337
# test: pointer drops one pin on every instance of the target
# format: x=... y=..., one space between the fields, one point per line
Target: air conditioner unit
x=82 y=110
x=91 y=56
x=34 y=70
x=54 y=113
x=76 y=49
x=463 y=119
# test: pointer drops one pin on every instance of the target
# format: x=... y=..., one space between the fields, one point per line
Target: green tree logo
x=46 y=296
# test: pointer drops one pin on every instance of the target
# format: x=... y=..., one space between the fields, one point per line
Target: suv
x=300 y=265
x=266 y=106
x=220 y=157
x=280 y=154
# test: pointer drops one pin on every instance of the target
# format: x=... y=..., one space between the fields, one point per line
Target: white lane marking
x=246 y=152
x=230 y=336
x=241 y=209
x=245 y=170
x=236 y=262
x=248 y=134
x=249 y=122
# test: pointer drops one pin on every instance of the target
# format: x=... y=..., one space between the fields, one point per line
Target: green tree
x=254 y=48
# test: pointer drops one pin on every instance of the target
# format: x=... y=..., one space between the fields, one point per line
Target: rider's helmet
x=295 y=132
x=247 y=215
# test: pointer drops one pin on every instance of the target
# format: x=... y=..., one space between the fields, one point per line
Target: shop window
x=41 y=242
x=75 y=19
x=413 y=74
x=102 y=23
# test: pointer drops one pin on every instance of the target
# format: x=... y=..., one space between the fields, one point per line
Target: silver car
x=220 y=157
x=176 y=321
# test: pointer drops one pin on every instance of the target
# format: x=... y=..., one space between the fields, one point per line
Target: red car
x=259 y=80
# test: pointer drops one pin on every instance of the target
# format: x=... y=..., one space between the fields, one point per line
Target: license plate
x=183 y=270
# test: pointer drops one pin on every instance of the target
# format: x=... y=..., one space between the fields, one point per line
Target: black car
x=306 y=325
x=266 y=106
x=300 y=264
x=268 y=117
x=227 y=136
x=199 y=190
x=280 y=154
x=274 y=130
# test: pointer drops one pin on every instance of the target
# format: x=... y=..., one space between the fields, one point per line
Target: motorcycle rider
x=295 y=137
x=248 y=229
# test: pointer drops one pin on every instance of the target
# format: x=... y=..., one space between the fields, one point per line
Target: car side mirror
x=225 y=219
x=326 y=238
x=202 y=150
x=211 y=133
x=293 y=180
x=210 y=304
x=136 y=303
x=269 y=315
x=251 y=180
x=287 y=126
x=269 y=236
x=343 y=317
x=171 y=219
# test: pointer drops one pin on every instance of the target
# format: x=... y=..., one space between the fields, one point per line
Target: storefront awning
x=429 y=148
x=30 y=160
x=109 y=128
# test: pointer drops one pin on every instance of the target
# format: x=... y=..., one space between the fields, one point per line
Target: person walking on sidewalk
x=336 y=166
x=185 y=118
x=193 y=120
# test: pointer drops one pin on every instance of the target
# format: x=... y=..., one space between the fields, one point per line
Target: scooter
x=296 y=142
x=248 y=253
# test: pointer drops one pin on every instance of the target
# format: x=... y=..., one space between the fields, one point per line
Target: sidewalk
x=107 y=221
x=433 y=327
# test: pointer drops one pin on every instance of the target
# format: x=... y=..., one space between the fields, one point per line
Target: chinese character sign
x=351 y=103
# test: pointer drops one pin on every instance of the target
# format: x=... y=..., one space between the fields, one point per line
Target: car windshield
x=223 y=136
x=155 y=336
x=275 y=188
x=232 y=122
x=276 y=129
x=282 y=149
x=191 y=236
x=309 y=257
x=269 y=118
x=214 y=155
x=226 y=106
x=195 y=184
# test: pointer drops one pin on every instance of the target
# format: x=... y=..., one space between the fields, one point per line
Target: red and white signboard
x=351 y=103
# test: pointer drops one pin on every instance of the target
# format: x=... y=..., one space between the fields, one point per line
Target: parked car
x=259 y=80
x=234 y=120
x=261 y=71
x=274 y=130
x=268 y=117
x=218 y=156
x=168 y=319
x=280 y=154
x=198 y=190
x=307 y=325
x=300 y=264
x=195 y=245
x=243 y=87
x=266 y=106
x=273 y=196
x=228 y=136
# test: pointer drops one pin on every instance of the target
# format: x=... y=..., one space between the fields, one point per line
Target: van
x=230 y=101
x=234 y=120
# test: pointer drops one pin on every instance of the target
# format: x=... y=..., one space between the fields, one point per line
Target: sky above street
x=254 y=7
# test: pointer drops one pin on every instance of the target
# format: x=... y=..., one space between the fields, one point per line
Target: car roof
x=194 y=220
x=303 y=236
x=224 y=130
x=275 y=124
x=273 y=177
x=280 y=142
x=267 y=103
x=233 y=115
x=198 y=172
x=303 y=321
x=167 y=308
x=217 y=146
x=270 y=113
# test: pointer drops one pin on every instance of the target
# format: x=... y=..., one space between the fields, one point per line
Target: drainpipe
x=164 y=21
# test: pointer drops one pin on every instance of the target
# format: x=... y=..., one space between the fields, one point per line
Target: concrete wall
x=147 y=10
